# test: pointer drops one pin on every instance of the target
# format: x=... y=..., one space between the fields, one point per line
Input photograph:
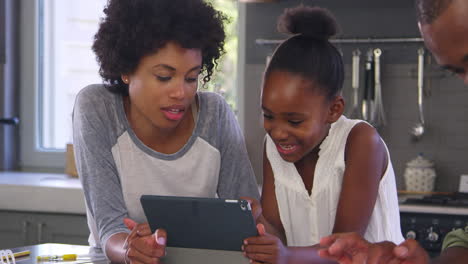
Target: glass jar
x=420 y=175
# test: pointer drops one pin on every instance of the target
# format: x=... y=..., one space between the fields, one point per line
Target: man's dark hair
x=427 y=11
x=132 y=29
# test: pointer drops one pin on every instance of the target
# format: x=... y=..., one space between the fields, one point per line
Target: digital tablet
x=204 y=223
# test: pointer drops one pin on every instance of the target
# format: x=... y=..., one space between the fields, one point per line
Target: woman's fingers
x=136 y=256
x=142 y=246
x=129 y=223
x=137 y=230
x=148 y=247
x=161 y=237
x=143 y=229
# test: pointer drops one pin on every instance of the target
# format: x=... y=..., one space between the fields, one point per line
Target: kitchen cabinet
x=29 y=228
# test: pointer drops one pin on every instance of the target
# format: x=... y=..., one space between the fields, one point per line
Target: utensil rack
x=265 y=42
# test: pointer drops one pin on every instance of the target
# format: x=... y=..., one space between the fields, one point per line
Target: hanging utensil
x=379 y=113
x=367 y=102
x=355 y=112
x=418 y=129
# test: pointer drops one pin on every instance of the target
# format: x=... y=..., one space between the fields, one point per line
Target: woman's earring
x=125 y=80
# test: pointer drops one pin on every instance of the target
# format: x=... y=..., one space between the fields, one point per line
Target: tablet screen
x=207 y=223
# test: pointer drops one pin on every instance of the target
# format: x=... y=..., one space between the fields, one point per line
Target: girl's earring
x=125 y=80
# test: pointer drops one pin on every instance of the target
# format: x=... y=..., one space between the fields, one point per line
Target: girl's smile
x=286 y=149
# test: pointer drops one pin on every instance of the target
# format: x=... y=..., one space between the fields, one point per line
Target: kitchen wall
x=446 y=98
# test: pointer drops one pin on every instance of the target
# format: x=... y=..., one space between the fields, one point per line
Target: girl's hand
x=265 y=248
x=142 y=246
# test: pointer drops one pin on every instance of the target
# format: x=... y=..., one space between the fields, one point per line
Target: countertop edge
x=41 y=192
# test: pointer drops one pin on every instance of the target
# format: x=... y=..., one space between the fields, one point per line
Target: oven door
x=430 y=224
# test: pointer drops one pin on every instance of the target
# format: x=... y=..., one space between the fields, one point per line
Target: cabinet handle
x=25 y=231
x=40 y=227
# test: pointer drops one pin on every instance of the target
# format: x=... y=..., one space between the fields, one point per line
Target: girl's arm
x=366 y=160
x=270 y=214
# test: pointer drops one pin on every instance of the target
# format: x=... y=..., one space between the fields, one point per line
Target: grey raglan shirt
x=116 y=168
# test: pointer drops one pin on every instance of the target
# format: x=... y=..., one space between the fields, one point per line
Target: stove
x=428 y=219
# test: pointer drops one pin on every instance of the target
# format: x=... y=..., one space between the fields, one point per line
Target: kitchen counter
x=60 y=193
x=408 y=207
x=431 y=209
x=41 y=192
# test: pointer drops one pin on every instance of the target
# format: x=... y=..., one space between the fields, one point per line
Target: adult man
x=444 y=27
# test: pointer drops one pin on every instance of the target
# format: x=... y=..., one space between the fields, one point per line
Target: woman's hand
x=142 y=246
x=265 y=248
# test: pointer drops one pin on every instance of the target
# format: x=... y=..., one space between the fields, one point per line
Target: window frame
x=31 y=155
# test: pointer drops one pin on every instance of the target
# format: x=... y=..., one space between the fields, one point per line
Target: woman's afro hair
x=132 y=29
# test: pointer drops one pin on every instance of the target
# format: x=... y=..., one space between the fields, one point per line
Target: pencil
x=19 y=254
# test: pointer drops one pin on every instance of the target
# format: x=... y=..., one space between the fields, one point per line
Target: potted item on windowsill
x=70 y=167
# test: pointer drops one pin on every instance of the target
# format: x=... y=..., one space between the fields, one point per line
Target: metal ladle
x=418 y=130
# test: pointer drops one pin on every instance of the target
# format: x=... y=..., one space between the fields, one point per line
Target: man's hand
x=351 y=248
x=142 y=246
x=410 y=252
x=348 y=248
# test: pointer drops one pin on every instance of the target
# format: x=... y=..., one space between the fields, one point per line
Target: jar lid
x=419 y=162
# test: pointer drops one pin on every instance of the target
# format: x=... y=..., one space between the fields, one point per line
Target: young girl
x=323 y=173
x=147 y=130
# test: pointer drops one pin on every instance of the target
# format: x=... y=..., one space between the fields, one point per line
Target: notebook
x=8 y=257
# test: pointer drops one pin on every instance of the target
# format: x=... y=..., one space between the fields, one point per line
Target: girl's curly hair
x=132 y=29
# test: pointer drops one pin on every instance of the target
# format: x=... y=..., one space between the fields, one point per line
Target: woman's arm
x=115 y=249
x=93 y=140
x=236 y=176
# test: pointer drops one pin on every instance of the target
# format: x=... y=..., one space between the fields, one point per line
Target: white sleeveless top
x=308 y=218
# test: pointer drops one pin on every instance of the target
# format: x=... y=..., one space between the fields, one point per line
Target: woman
x=148 y=130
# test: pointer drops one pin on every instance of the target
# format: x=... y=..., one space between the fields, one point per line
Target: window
x=57 y=61
x=224 y=79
